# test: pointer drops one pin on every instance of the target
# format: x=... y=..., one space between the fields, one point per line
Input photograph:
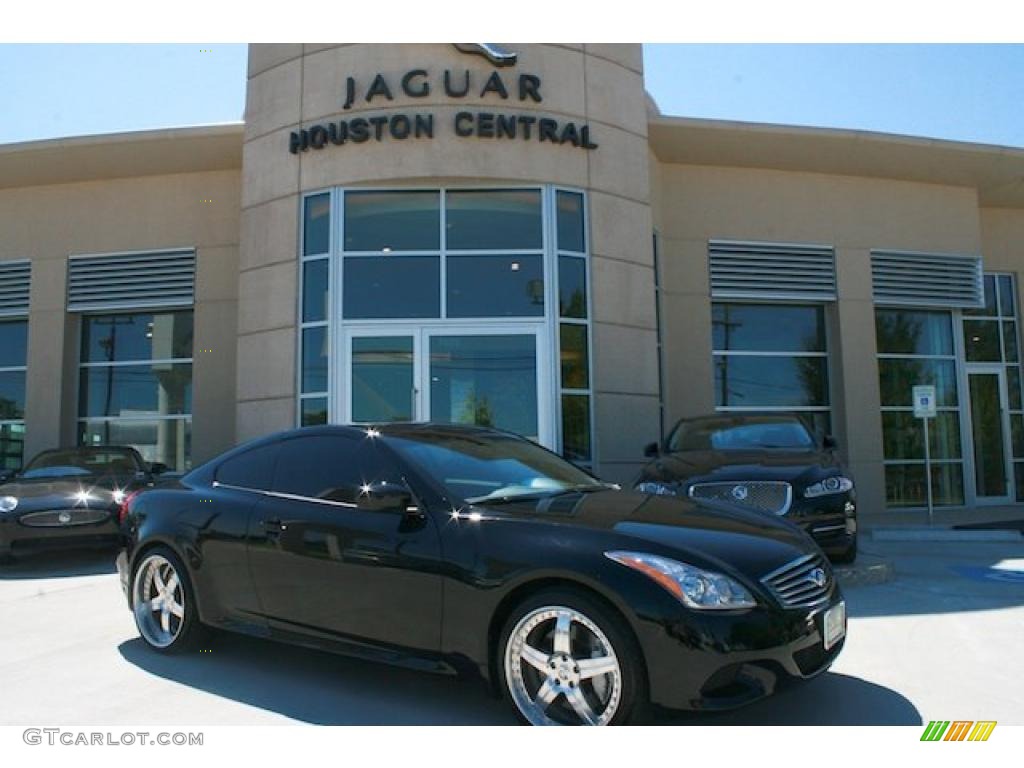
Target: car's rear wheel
x=163 y=602
x=567 y=660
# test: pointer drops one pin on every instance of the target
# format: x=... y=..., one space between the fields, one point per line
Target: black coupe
x=69 y=497
x=463 y=549
x=768 y=462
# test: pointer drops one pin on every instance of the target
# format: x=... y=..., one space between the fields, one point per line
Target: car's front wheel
x=163 y=602
x=568 y=660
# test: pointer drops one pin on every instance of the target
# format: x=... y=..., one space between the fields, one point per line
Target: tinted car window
x=81 y=462
x=252 y=469
x=331 y=467
x=477 y=467
x=747 y=435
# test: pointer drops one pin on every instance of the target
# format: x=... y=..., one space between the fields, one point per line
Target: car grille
x=794 y=585
x=763 y=495
x=53 y=518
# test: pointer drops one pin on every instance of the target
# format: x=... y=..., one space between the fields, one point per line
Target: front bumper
x=830 y=520
x=24 y=531
x=713 y=661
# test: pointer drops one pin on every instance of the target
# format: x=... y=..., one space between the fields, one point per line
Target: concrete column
x=214 y=352
x=45 y=406
x=857 y=411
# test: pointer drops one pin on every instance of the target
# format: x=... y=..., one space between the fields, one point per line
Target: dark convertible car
x=468 y=550
x=68 y=497
x=769 y=462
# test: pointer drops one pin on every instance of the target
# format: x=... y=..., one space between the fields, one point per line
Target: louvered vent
x=15 y=277
x=131 y=281
x=927 y=279
x=771 y=271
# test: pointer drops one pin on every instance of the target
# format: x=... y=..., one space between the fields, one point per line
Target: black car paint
x=430 y=588
x=46 y=494
x=800 y=468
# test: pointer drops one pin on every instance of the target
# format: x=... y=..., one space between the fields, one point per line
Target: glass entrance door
x=989 y=433
x=382 y=377
x=492 y=376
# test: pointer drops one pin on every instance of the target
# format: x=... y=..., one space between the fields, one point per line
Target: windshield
x=489 y=467
x=81 y=463
x=741 y=434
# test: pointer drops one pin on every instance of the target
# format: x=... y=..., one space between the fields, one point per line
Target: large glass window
x=916 y=347
x=772 y=357
x=427 y=257
x=135 y=384
x=13 y=356
x=401 y=261
x=314 y=321
x=574 y=327
x=991 y=335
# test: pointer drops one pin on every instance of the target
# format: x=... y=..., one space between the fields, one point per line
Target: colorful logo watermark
x=958 y=730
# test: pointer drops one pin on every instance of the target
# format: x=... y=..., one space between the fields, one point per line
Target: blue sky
x=964 y=92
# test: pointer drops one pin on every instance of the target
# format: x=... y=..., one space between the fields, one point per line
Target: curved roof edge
x=62 y=160
x=996 y=172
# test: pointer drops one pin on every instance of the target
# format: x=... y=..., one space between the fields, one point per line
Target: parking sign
x=924 y=401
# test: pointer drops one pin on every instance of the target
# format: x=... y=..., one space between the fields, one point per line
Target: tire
x=542 y=677
x=166 y=615
x=848 y=555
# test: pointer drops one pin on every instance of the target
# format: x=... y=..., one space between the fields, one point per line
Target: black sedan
x=467 y=550
x=768 y=462
x=68 y=497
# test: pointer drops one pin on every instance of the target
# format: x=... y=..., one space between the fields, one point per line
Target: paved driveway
x=942 y=641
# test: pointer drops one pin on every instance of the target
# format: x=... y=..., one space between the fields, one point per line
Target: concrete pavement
x=941 y=640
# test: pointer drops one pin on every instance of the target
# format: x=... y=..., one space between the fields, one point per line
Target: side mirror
x=651 y=450
x=385 y=497
x=829 y=443
x=158 y=468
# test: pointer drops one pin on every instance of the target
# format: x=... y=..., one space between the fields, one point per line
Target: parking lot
x=940 y=641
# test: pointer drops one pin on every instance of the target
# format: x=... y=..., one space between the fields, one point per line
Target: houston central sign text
x=480 y=122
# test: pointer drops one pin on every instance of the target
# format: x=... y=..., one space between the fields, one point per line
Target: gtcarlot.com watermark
x=71 y=738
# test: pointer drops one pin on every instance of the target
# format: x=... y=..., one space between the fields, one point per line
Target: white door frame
x=421 y=333
x=998 y=370
x=344 y=396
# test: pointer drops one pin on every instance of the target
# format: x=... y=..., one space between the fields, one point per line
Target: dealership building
x=452 y=233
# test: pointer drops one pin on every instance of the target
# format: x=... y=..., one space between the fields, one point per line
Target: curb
x=943 y=534
x=868 y=569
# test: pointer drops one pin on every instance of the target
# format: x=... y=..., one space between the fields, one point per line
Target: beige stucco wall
x=293 y=86
x=696 y=203
x=48 y=223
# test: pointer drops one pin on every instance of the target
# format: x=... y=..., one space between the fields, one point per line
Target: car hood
x=715 y=536
x=51 y=493
x=710 y=466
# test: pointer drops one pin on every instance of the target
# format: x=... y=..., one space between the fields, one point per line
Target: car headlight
x=828 y=486
x=656 y=488
x=694 y=587
x=8 y=503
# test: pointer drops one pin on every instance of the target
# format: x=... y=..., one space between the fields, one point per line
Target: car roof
x=88 y=449
x=390 y=429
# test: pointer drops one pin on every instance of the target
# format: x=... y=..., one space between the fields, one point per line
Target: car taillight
x=122 y=511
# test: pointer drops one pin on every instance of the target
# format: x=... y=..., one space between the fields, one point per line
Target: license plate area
x=834 y=625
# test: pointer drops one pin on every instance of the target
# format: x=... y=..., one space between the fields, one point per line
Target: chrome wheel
x=158 y=600
x=561 y=669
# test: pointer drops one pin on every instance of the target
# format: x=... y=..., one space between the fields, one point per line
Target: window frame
x=811 y=410
x=957 y=357
x=549 y=319
x=22 y=369
x=82 y=421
